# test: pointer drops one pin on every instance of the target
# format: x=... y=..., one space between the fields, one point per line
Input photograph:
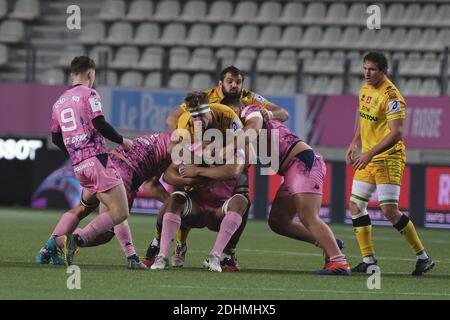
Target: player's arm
x=218 y=173
x=273 y=111
x=110 y=133
x=351 y=151
x=57 y=139
x=173 y=177
x=172 y=119
x=156 y=189
x=394 y=136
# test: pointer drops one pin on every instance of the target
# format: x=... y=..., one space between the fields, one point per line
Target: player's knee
x=354 y=208
x=391 y=213
x=276 y=223
x=238 y=203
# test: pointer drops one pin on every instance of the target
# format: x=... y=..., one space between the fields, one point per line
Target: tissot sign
x=19 y=149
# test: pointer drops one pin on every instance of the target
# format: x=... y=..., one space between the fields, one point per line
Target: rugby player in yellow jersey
x=231 y=83
x=382 y=161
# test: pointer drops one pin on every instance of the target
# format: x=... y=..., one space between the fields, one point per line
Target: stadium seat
x=411 y=87
x=111 y=78
x=413 y=36
x=355 y=85
x=199 y=34
x=112 y=10
x=270 y=36
x=442 y=16
x=3 y=8
x=269 y=11
x=428 y=12
x=289 y=87
x=356 y=14
x=291 y=38
x=442 y=39
x=223 y=35
x=3 y=54
x=336 y=13
x=12 y=31
x=410 y=65
x=244 y=10
x=167 y=10
x=311 y=37
x=397 y=36
x=179 y=58
x=331 y=38
x=431 y=65
x=151 y=59
x=334 y=86
x=146 y=33
x=202 y=59
x=314 y=12
x=227 y=55
x=69 y=53
x=266 y=60
x=220 y=11
x=92 y=33
x=153 y=80
x=179 y=80
x=97 y=52
x=125 y=58
x=119 y=33
x=26 y=10
x=131 y=79
x=140 y=10
x=261 y=83
x=173 y=34
x=245 y=58
x=52 y=77
x=349 y=38
x=411 y=15
x=430 y=87
x=193 y=11
x=393 y=13
x=292 y=12
x=319 y=64
x=275 y=85
x=287 y=61
x=200 y=81
x=247 y=35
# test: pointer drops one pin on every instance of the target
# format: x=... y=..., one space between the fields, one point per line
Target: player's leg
x=388 y=189
x=153 y=248
x=230 y=218
x=179 y=205
x=362 y=189
x=67 y=224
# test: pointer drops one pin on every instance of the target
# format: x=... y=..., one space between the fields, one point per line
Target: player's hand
x=127 y=144
x=267 y=114
x=362 y=160
x=189 y=171
x=350 y=154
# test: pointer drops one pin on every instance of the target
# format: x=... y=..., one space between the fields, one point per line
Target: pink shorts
x=96 y=177
x=298 y=180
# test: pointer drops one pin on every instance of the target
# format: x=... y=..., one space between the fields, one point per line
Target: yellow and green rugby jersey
x=376 y=108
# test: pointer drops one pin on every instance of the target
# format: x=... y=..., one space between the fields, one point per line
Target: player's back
x=72 y=115
x=287 y=139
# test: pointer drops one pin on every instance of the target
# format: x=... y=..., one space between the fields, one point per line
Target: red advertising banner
x=437 y=198
x=333 y=118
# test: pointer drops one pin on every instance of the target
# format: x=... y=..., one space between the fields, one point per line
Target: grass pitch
x=272 y=266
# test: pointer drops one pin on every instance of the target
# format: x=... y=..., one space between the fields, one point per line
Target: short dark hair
x=81 y=64
x=378 y=58
x=196 y=98
x=234 y=72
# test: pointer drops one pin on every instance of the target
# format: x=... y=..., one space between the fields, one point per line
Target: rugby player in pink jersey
x=214 y=205
x=143 y=164
x=301 y=193
x=79 y=128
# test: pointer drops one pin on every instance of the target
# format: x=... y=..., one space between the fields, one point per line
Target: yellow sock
x=182 y=235
x=364 y=237
x=157 y=235
x=410 y=234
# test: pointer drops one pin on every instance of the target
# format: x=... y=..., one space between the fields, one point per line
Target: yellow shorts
x=388 y=170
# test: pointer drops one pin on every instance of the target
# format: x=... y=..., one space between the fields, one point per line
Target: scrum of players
x=212 y=194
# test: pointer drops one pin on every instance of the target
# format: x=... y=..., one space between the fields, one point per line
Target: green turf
x=273 y=267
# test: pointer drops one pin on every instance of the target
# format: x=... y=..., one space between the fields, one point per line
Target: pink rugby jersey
x=72 y=115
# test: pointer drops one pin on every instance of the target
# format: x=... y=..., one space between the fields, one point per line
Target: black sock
x=133 y=257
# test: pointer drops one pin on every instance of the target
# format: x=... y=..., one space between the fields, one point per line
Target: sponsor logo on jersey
x=368 y=116
x=369 y=98
x=394 y=106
